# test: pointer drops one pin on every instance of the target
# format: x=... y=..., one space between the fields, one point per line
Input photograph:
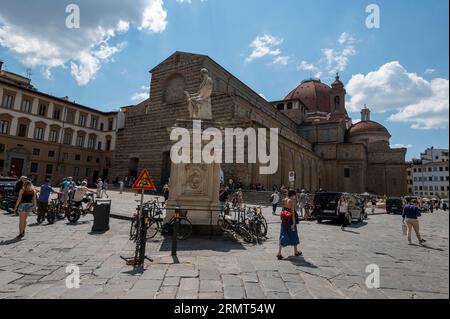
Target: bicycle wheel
x=74 y=215
x=244 y=233
x=185 y=229
x=152 y=229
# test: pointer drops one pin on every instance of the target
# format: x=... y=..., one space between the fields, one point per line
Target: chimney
x=1 y=65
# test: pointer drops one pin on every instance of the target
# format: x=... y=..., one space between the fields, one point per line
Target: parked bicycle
x=156 y=222
x=235 y=225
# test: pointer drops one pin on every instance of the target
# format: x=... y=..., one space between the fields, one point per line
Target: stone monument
x=194 y=186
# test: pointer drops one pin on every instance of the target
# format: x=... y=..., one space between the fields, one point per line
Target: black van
x=394 y=205
x=325 y=206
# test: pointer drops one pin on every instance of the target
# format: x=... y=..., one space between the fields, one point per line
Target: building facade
x=430 y=173
x=42 y=136
x=317 y=138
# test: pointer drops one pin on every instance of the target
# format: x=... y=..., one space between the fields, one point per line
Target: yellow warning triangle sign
x=144 y=182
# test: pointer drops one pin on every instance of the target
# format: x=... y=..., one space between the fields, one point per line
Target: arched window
x=337 y=100
x=280 y=106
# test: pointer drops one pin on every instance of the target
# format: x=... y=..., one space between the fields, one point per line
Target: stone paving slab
x=333 y=265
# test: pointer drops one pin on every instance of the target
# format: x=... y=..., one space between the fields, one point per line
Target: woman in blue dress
x=289 y=233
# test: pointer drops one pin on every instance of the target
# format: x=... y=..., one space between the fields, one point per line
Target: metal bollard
x=176 y=227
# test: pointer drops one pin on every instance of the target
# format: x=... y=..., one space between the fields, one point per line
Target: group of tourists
x=230 y=195
x=29 y=200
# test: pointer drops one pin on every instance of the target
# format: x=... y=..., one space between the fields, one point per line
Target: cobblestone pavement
x=333 y=266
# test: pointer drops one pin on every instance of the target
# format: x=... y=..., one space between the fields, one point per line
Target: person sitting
x=80 y=194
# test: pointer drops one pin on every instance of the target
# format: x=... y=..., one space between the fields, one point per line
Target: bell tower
x=337 y=96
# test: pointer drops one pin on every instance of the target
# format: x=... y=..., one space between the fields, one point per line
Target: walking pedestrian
x=411 y=214
x=99 y=188
x=26 y=203
x=275 y=199
x=342 y=212
x=121 y=186
x=288 y=232
x=105 y=188
x=43 y=200
x=302 y=199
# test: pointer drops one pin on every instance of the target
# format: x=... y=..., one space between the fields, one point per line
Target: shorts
x=25 y=208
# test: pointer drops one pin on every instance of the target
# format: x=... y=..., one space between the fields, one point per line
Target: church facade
x=317 y=139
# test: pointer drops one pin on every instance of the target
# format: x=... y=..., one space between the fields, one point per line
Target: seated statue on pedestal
x=199 y=104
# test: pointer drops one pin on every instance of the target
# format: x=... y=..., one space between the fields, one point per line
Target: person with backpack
x=289 y=221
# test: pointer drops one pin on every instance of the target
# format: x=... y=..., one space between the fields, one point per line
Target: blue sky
x=408 y=96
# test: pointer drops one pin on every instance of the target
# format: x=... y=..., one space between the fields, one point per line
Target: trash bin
x=102 y=211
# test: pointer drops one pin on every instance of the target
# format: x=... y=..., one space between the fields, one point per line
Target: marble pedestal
x=194 y=187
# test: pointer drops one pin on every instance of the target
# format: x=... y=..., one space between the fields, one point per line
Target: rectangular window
x=99 y=146
x=23 y=128
x=8 y=101
x=430 y=179
x=441 y=169
x=49 y=169
x=89 y=158
x=82 y=120
x=34 y=167
x=4 y=127
x=56 y=114
x=26 y=106
x=88 y=172
x=347 y=172
x=110 y=124
x=76 y=171
x=36 y=152
x=78 y=157
x=39 y=133
x=42 y=110
x=65 y=156
x=70 y=117
x=51 y=153
x=94 y=122
x=53 y=137
x=108 y=145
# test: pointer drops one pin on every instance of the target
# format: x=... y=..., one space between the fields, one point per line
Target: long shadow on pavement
x=300 y=262
x=197 y=243
x=10 y=242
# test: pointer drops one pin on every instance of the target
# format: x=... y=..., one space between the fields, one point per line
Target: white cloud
x=424 y=104
x=333 y=59
x=305 y=66
x=283 y=60
x=141 y=96
x=430 y=71
x=263 y=96
x=401 y=146
x=266 y=45
x=38 y=36
x=189 y=1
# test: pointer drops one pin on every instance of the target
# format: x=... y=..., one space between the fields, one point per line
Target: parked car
x=325 y=206
x=7 y=185
x=395 y=205
x=409 y=199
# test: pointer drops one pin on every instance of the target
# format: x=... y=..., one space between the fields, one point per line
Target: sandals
x=299 y=254
x=279 y=257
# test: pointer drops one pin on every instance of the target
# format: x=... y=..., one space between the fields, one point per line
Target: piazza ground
x=333 y=266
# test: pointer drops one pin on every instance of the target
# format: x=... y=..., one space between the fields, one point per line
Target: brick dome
x=366 y=127
x=314 y=94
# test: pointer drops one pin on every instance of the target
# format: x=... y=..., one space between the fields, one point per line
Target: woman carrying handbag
x=289 y=233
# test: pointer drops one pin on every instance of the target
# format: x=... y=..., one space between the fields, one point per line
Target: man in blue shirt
x=43 y=200
x=411 y=214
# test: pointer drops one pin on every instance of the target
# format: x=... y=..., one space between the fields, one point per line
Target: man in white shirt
x=275 y=199
x=80 y=193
